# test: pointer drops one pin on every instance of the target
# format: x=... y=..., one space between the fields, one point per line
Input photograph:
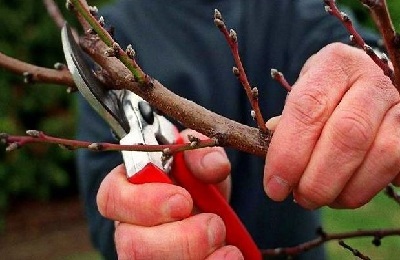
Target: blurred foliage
x=35 y=171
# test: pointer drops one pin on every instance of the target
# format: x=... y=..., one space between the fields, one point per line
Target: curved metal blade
x=105 y=102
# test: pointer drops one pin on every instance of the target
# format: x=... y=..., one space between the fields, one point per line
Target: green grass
x=380 y=213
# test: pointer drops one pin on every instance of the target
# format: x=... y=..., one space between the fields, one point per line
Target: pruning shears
x=134 y=122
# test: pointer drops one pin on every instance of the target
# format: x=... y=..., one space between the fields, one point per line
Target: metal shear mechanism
x=131 y=118
x=134 y=122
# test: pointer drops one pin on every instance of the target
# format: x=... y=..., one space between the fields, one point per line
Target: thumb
x=273 y=122
x=210 y=165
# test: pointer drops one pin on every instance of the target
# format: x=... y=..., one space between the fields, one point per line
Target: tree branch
x=377 y=234
x=118 y=76
x=239 y=72
x=54 y=12
x=33 y=136
x=32 y=73
x=280 y=78
x=381 y=16
x=357 y=39
x=355 y=252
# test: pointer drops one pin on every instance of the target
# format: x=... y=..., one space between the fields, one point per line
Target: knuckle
x=390 y=146
x=317 y=193
x=309 y=107
x=351 y=201
x=334 y=50
x=352 y=131
x=209 y=236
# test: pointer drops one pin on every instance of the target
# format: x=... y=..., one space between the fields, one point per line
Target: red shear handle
x=149 y=174
x=208 y=199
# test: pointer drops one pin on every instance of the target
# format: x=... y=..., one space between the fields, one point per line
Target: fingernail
x=277 y=188
x=214 y=226
x=177 y=206
x=215 y=159
x=273 y=122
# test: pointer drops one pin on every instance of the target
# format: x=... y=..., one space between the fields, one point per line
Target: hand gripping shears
x=134 y=122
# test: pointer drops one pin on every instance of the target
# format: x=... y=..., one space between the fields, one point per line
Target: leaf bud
x=233 y=35
x=34 y=133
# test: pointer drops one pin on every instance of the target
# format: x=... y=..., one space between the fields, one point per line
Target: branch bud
x=236 y=71
x=12 y=147
x=368 y=49
x=253 y=114
x=130 y=51
x=69 y=5
x=352 y=39
x=345 y=17
x=116 y=48
x=71 y=90
x=28 y=77
x=194 y=141
x=377 y=241
x=109 y=52
x=233 y=35
x=254 y=92
x=166 y=155
x=216 y=141
x=328 y=9
x=93 y=10
x=59 y=66
x=95 y=147
x=101 y=21
x=34 y=133
x=218 y=15
x=384 y=58
x=219 y=23
x=275 y=73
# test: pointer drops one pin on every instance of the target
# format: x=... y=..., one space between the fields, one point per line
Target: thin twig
x=34 y=73
x=357 y=39
x=54 y=13
x=354 y=251
x=279 y=77
x=380 y=14
x=33 y=136
x=239 y=72
x=325 y=237
x=126 y=58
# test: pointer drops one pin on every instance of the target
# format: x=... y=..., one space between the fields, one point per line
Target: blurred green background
x=44 y=172
x=36 y=171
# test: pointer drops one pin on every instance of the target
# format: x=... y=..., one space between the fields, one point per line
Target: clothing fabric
x=178 y=44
